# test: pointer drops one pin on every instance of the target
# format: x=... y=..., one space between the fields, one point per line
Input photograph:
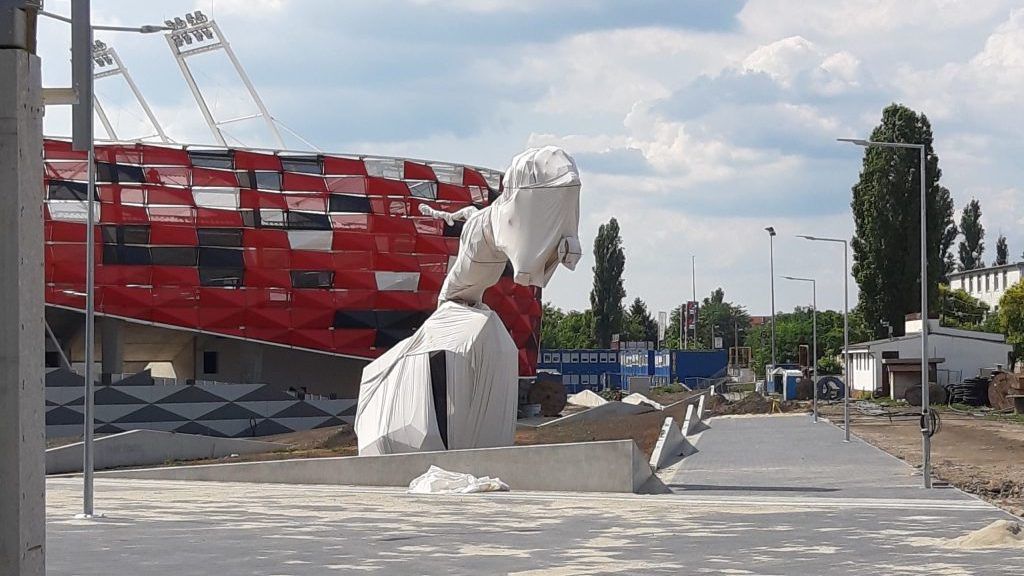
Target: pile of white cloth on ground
x=440 y=481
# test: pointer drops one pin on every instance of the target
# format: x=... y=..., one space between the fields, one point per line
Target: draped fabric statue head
x=534 y=224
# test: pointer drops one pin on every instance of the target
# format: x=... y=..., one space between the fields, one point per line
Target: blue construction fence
x=599 y=369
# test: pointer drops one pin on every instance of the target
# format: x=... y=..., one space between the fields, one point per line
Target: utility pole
x=22 y=445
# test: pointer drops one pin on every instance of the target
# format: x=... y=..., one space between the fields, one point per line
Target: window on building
x=574 y=357
x=970 y=284
x=565 y=356
x=1005 y=283
x=593 y=357
x=963 y=284
x=986 y=282
x=585 y=358
x=209 y=362
x=995 y=281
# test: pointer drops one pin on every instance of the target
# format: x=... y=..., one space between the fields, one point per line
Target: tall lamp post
x=82 y=140
x=846 y=327
x=926 y=425
x=771 y=263
x=814 y=340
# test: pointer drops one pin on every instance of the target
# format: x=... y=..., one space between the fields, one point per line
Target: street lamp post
x=83 y=140
x=771 y=261
x=846 y=327
x=814 y=339
x=926 y=426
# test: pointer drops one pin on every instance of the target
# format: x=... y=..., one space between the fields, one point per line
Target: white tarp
x=396 y=410
x=587 y=398
x=637 y=399
x=440 y=481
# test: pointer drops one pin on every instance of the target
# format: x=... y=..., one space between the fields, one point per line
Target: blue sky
x=696 y=123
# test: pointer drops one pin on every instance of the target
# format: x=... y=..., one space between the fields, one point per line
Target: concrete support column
x=251 y=359
x=22 y=487
x=112 y=346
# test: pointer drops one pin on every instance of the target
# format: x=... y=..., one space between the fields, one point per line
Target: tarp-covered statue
x=454 y=383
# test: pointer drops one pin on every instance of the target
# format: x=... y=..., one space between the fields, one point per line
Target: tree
x=571 y=329
x=1002 y=252
x=608 y=292
x=639 y=325
x=795 y=328
x=972 y=246
x=958 y=309
x=725 y=319
x=886 y=211
x=1011 y=317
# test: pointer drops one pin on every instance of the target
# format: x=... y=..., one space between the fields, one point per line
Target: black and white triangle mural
x=225 y=410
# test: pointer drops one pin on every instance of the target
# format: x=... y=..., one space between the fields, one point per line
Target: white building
x=987 y=284
x=965 y=353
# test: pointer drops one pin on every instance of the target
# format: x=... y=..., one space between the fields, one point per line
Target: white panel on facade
x=72 y=210
x=397 y=281
x=320 y=240
x=447 y=173
x=272 y=217
x=385 y=167
x=212 y=197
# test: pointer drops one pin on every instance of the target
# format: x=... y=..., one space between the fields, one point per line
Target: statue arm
x=449 y=217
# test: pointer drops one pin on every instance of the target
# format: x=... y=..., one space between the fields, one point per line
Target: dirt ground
x=643 y=429
x=979 y=455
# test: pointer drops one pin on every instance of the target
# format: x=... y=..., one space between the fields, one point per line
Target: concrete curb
x=147 y=447
x=608 y=466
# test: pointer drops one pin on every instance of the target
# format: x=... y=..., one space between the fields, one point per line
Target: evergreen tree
x=608 y=292
x=886 y=210
x=1002 y=252
x=640 y=326
x=972 y=246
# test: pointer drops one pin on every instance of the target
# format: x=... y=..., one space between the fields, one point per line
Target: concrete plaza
x=764 y=495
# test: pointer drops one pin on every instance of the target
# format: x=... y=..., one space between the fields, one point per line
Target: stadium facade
x=245 y=266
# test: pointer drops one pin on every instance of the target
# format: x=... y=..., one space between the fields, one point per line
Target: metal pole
x=846 y=341
x=83 y=136
x=203 y=107
x=814 y=353
x=926 y=439
x=771 y=258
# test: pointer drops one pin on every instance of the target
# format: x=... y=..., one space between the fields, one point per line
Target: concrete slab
x=148 y=447
x=163 y=528
x=608 y=466
x=611 y=409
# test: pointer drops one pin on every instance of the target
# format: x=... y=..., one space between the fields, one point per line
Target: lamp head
x=857 y=141
x=770 y=230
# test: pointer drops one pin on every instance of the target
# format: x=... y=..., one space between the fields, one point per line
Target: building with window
x=958 y=354
x=583 y=369
x=987 y=284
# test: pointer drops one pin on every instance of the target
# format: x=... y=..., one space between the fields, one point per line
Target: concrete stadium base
x=609 y=466
x=148 y=447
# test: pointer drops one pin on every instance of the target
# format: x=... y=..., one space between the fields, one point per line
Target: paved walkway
x=774 y=495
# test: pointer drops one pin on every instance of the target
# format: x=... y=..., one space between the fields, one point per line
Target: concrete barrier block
x=690 y=421
x=148 y=447
x=607 y=466
x=671 y=446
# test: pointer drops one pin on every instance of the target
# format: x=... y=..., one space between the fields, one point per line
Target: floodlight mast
x=108 y=63
x=196 y=28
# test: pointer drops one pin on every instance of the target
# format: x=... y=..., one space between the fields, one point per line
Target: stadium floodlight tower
x=197 y=34
x=108 y=64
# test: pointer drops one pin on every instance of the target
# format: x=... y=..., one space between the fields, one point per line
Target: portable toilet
x=783 y=381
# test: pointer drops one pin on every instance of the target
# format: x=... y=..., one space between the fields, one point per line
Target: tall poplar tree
x=608 y=292
x=1002 y=252
x=886 y=212
x=972 y=246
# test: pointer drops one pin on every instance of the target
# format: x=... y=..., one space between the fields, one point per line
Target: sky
x=695 y=123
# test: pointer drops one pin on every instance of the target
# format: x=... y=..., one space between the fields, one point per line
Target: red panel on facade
x=416 y=171
x=336 y=166
x=245 y=160
x=248 y=291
